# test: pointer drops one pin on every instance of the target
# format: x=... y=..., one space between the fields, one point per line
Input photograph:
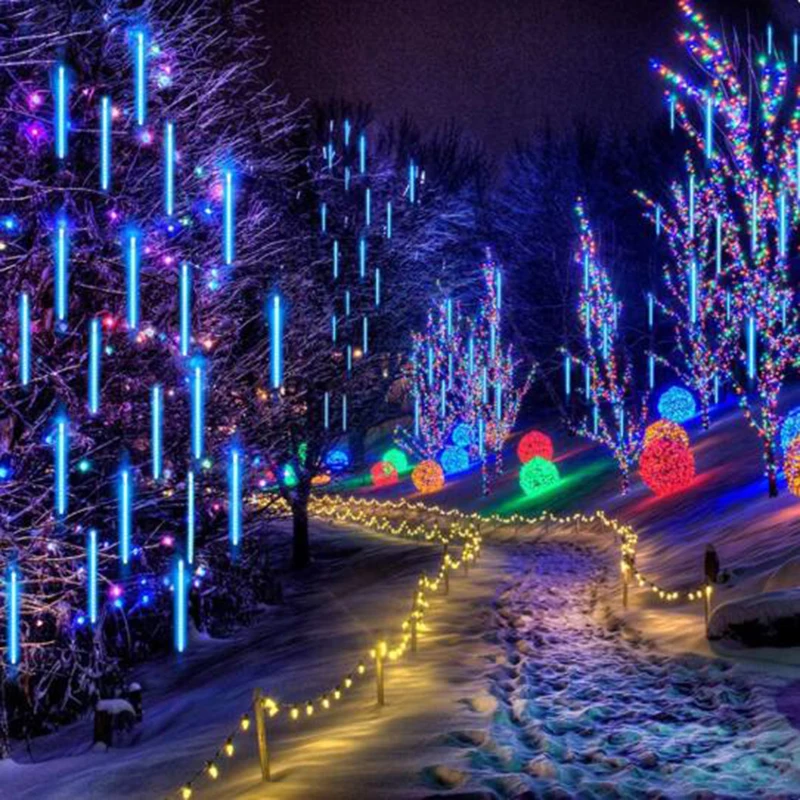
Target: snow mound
x=787 y=576
x=771 y=619
x=115 y=706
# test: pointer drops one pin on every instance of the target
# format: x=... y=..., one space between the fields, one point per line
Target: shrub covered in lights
x=428 y=476
x=535 y=444
x=337 y=460
x=666 y=429
x=396 y=457
x=538 y=474
x=289 y=476
x=677 y=404
x=454 y=460
x=790 y=429
x=463 y=435
x=666 y=466
x=384 y=473
x=791 y=467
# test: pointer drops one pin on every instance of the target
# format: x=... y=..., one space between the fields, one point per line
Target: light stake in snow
x=105 y=143
x=228 y=212
x=180 y=606
x=157 y=414
x=235 y=498
x=62 y=465
x=125 y=514
x=169 y=168
x=190 y=517
x=24 y=339
x=133 y=263
x=95 y=343
x=186 y=308
x=12 y=614
x=91 y=569
x=62 y=268
x=62 y=110
x=276 y=341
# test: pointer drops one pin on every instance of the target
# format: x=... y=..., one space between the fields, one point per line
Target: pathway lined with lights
x=583 y=704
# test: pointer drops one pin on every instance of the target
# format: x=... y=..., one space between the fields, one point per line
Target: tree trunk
x=301 y=546
x=625 y=482
x=772 y=471
x=705 y=411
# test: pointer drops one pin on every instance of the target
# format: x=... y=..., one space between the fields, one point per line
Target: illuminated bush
x=666 y=466
x=538 y=474
x=533 y=444
x=384 y=473
x=463 y=435
x=677 y=404
x=454 y=460
x=321 y=479
x=791 y=467
x=289 y=476
x=790 y=429
x=337 y=460
x=666 y=429
x=428 y=476
x=396 y=457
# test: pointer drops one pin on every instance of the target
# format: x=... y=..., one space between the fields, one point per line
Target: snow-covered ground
x=531 y=679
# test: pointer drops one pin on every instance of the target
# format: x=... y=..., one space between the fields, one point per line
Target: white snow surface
x=115 y=706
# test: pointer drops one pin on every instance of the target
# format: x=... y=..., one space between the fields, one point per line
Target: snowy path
x=584 y=708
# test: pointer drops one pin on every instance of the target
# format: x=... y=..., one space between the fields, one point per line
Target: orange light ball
x=428 y=476
x=666 y=429
x=535 y=444
x=791 y=467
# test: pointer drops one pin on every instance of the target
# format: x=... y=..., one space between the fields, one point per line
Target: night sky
x=499 y=68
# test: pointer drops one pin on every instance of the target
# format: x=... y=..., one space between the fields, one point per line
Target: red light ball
x=384 y=473
x=666 y=466
x=535 y=444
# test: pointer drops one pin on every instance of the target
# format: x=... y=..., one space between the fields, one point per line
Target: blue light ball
x=337 y=460
x=454 y=460
x=790 y=429
x=677 y=404
x=462 y=435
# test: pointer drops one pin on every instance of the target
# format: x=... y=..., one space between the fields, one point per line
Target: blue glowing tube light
x=595 y=419
x=716 y=388
x=235 y=498
x=362 y=257
x=650 y=310
x=782 y=225
x=24 y=339
x=95 y=345
x=651 y=370
x=365 y=335
x=416 y=415
x=481 y=437
x=62 y=466
x=693 y=293
x=12 y=614
x=377 y=287
x=751 y=347
x=449 y=313
x=169 y=168
x=326 y=410
x=349 y=358
x=368 y=206
x=228 y=213
x=347 y=302
x=198 y=411
x=91 y=575
x=62 y=110
x=795 y=47
x=412 y=182
x=276 y=341
x=333 y=328
x=389 y=219
x=430 y=366
x=769 y=39
x=190 y=516
x=125 y=514
x=344 y=412
x=105 y=143
x=567 y=375
x=443 y=399
x=691 y=206
x=62 y=269
x=186 y=308
x=347 y=179
x=133 y=256
x=180 y=606
x=362 y=153
x=709 y=127
x=587 y=381
x=335 y=259
x=498 y=282
x=323 y=217
x=753 y=221
x=484 y=386
x=471 y=354
x=156 y=425
x=347 y=130
x=140 y=77
x=658 y=221
x=718 y=237
x=672 y=112
x=498 y=400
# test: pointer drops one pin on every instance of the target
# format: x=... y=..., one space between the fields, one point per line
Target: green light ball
x=538 y=474
x=397 y=458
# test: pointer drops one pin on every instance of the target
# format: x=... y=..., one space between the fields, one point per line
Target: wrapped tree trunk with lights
x=748 y=143
x=614 y=416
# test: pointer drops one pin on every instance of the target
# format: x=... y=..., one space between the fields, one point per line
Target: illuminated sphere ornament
x=321 y=479
x=337 y=460
x=538 y=474
x=790 y=429
x=454 y=460
x=791 y=467
x=428 y=476
x=384 y=473
x=666 y=429
x=396 y=457
x=462 y=435
x=535 y=444
x=289 y=476
x=666 y=466
x=677 y=404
